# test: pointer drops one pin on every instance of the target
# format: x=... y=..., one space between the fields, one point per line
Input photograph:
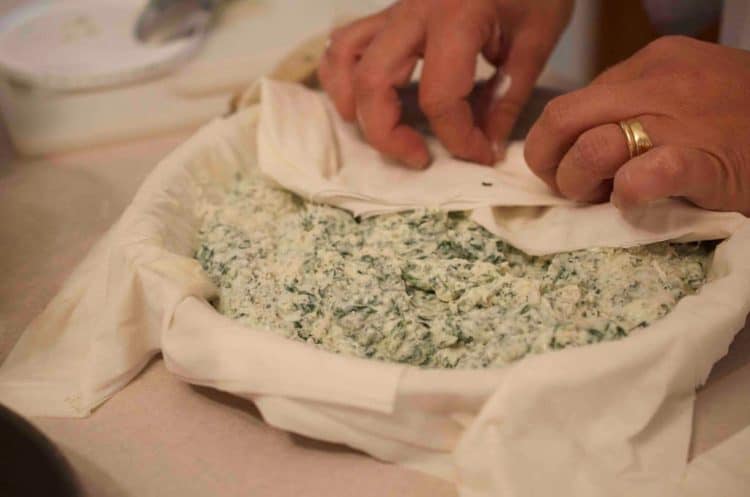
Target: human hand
x=368 y=59
x=692 y=99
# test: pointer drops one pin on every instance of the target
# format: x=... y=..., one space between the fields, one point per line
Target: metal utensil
x=165 y=20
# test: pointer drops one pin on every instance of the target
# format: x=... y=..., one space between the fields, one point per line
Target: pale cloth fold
x=306 y=147
x=601 y=420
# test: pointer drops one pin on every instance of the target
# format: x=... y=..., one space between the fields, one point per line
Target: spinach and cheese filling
x=426 y=288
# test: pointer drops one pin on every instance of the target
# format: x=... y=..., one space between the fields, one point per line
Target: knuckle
x=590 y=151
x=335 y=53
x=677 y=41
x=337 y=34
x=555 y=115
x=687 y=81
x=651 y=50
x=337 y=49
x=507 y=107
x=368 y=79
x=432 y=103
x=660 y=45
x=414 y=7
x=663 y=70
x=666 y=45
x=410 y=9
x=607 y=75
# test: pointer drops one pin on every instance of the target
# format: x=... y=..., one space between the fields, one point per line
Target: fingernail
x=417 y=162
x=498 y=150
x=503 y=86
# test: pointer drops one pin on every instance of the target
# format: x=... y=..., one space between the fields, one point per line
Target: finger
x=448 y=79
x=388 y=62
x=522 y=66
x=593 y=159
x=337 y=65
x=566 y=117
x=671 y=171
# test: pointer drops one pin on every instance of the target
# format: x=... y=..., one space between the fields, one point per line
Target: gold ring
x=636 y=137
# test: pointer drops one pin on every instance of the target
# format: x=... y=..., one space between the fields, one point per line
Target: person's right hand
x=691 y=98
x=368 y=59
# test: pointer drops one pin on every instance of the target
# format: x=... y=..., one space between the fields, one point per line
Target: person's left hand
x=370 y=58
x=692 y=99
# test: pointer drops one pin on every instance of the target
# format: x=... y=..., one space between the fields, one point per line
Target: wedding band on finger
x=636 y=137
